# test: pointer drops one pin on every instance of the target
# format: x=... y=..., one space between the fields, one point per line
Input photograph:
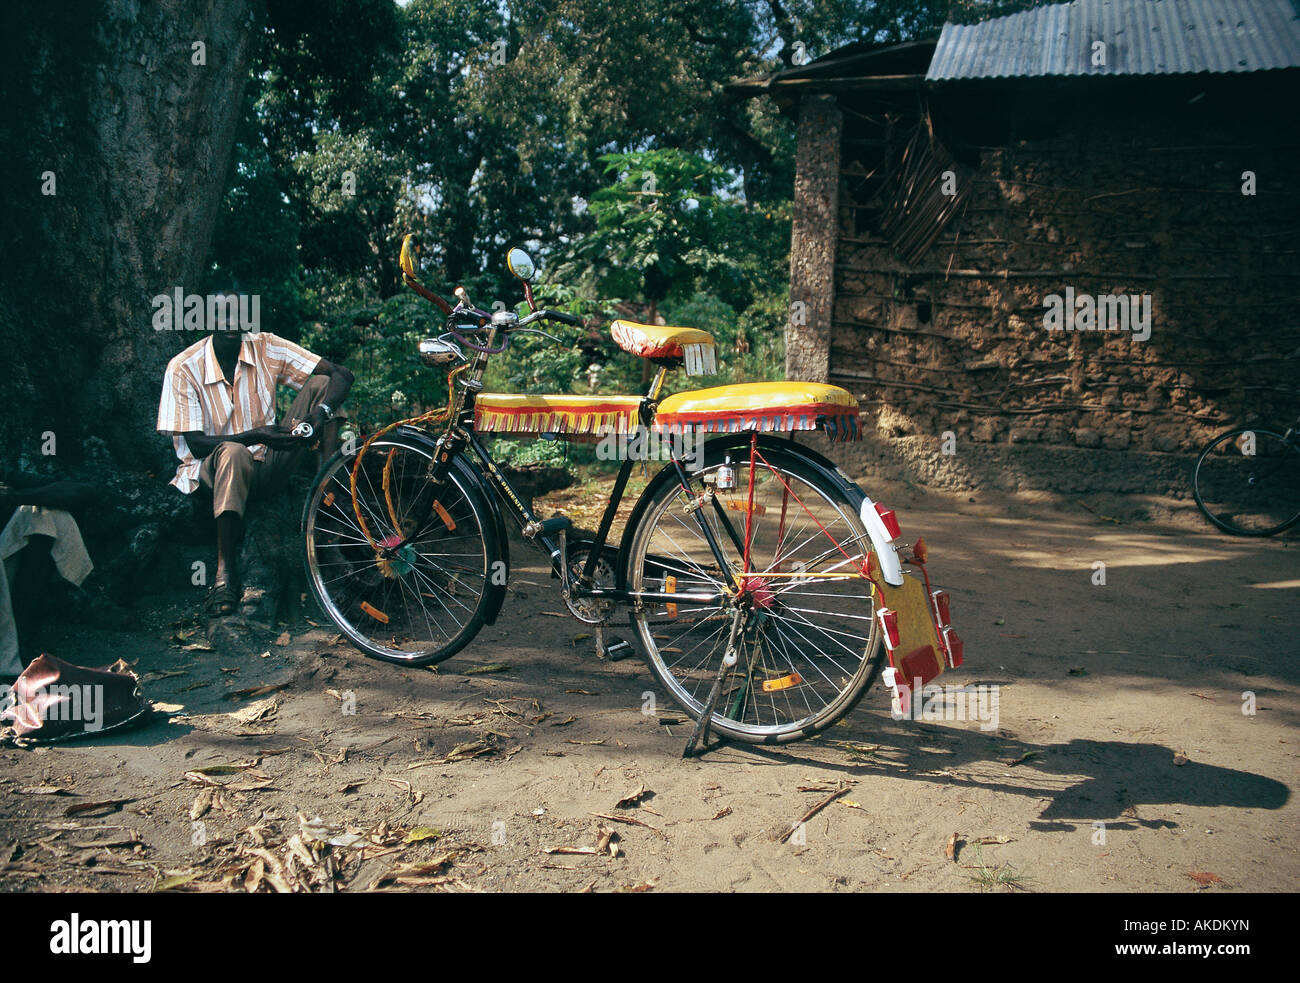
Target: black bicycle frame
x=523 y=515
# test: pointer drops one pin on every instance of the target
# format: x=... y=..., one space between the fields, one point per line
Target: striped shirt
x=197 y=396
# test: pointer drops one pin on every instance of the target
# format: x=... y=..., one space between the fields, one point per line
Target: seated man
x=218 y=403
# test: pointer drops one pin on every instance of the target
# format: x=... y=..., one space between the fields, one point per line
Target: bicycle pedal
x=618 y=650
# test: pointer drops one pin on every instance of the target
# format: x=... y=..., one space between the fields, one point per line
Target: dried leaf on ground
x=177 y=880
x=1012 y=762
x=634 y=798
x=422 y=833
x=470 y=749
x=626 y=820
x=202 y=804
x=113 y=805
x=251 y=691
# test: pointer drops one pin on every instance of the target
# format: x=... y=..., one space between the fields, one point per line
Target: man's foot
x=223 y=599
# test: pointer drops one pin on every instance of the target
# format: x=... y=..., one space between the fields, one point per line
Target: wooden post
x=813 y=239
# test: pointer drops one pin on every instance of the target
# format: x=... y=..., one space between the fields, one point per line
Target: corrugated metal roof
x=1143 y=37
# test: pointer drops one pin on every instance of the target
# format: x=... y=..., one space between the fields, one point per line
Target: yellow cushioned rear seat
x=762 y=406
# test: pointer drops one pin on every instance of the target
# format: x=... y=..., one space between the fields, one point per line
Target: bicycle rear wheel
x=1247 y=482
x=429 y=599
x=809 y=644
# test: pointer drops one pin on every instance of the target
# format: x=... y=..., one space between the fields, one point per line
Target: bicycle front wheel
x=807 y=639
x=1247 y=482
x=428 y=599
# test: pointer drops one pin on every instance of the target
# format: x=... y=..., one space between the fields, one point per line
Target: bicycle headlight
x=435 y=351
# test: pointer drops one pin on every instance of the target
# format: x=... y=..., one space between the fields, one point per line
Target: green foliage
x=533 y=122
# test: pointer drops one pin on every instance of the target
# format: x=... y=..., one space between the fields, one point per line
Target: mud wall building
x=1076 y=164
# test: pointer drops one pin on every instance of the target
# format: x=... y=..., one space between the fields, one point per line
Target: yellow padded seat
x=591 y=416
x=762 y=406
x=695 y=348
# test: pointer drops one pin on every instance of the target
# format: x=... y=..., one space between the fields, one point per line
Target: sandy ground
x=1122 y=759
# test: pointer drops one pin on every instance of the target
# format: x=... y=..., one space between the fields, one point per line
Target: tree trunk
x=104 y=105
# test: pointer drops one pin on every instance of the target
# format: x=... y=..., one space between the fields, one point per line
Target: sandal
x=223 y=599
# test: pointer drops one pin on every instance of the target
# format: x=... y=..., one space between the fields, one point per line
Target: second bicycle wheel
x=427 y=600
x=808 y=642
x=1247 y=482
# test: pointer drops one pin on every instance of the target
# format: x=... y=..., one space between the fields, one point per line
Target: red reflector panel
x=955 y=647
x=889 y=622
x=942 y=615
x=889 y=519
x=920 y=663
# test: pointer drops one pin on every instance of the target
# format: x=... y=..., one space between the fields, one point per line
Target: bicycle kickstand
x=729 y=658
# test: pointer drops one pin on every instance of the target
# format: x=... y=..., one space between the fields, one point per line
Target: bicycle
x=763 y=587
x=1247 y=481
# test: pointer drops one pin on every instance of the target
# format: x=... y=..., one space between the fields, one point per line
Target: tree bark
x=108 y=99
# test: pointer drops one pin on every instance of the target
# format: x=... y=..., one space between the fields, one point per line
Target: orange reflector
x=785 y=682
x=374 y=612
x=920 y=551
x=329 y=500
x=759 y=509
x=445 y=516
x=670 y=587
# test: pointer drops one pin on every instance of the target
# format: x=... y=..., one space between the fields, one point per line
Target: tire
x=439 y=592
x=1247 y=482
x=815 y=640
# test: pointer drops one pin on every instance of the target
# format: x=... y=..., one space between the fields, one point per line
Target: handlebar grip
x=564 y=318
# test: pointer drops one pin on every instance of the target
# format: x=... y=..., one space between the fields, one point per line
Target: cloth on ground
x=68 y=553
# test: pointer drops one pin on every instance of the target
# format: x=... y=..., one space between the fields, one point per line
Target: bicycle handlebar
x=463 y=331
x=571 y=319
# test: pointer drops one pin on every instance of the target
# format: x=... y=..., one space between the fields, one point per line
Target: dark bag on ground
x=54 y=700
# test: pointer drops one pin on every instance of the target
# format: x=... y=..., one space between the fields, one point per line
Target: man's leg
x=30 y=588
x=228 y=471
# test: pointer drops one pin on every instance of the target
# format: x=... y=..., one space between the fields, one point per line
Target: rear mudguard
x=474 y=479
x=769 y=445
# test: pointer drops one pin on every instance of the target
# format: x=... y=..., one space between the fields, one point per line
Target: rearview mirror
x=520 y=264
